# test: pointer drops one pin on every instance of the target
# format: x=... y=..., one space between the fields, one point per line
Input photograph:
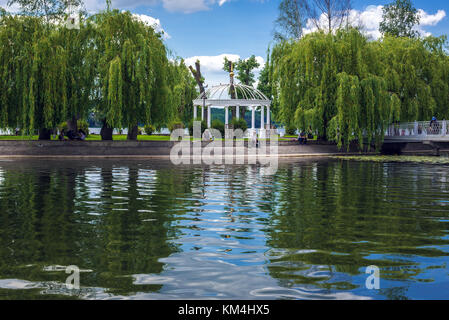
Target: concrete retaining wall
x=416 y=148
x=138 y=148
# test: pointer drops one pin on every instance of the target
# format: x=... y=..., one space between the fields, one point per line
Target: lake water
x=146 y=229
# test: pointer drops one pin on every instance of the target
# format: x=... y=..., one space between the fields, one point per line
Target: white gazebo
x=245 y=96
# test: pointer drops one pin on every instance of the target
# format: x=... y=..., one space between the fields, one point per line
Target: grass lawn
x=289 y=138
x=122 y=137
x=93 y=137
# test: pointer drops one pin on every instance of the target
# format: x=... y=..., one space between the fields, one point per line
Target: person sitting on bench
x=302 y=137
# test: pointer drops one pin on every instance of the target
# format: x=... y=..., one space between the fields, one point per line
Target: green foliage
x=175 y=124
x=114 y=67
x=291 y=19
x=348 y=88
x=290 y=130
x=219 y=125
x=132 y=71
x=244 y=69
x=264 y=85
x=183 y=88
x=140 y=131
x=149 y=129
x=82 y=125
x=399 y=18
x=49 y=9
x=239 y=124
x=202 y=123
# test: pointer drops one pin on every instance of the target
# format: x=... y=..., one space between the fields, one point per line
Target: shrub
x=218 y=125
x=62 y=126
x=290 y=130
x=82 y=125
x=203 y=126
x=239 y=124
x=175 y=124
x=149 y=129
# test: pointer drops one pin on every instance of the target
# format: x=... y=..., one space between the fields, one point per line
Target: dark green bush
x=175 y=124
x=203 y=126
x=149 y=129
x=290 y=130
x=82 y=125
x=219 y=125
x=239 y=124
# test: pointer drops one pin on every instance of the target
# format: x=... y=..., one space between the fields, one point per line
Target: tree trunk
x=132 y=133
x=242 y=112
x=106 y=132
x=324 y=136
x=199 y=80
x=45 y=134
x=72 y=124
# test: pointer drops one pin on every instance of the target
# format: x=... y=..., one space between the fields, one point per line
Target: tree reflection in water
x=313 y=226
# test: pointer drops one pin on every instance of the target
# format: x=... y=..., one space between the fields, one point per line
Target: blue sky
x=210 y=29
x=245 y=27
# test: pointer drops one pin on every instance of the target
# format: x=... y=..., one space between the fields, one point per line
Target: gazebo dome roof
x=220 y=96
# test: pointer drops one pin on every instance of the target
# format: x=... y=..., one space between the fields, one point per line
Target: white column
x=208 y=116
x=262 y=116
x=226 y=117
x=238 y=112
x=202 y=113
x=268 y=117
x=194 y=112
x=253 y=117
x=443 y=128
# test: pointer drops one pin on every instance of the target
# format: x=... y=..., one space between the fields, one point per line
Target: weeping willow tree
x=183 y=91
x=33 y=75
x=48 y=73
x=114 y=66
x=80 y=70
x=132 y=72
x=347 y=88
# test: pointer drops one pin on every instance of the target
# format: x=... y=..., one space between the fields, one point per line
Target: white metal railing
x=418 y=129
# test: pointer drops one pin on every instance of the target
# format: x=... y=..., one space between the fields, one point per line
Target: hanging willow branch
x=114 y=66
x=347 y=88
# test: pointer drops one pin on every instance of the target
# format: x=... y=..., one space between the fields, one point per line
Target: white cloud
x=369 y=21
x=431 y=19
x=212 y=67
x=185 y=6
x=152 y=22
x=95 y=6
x=190 y=6
x=14 y=8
